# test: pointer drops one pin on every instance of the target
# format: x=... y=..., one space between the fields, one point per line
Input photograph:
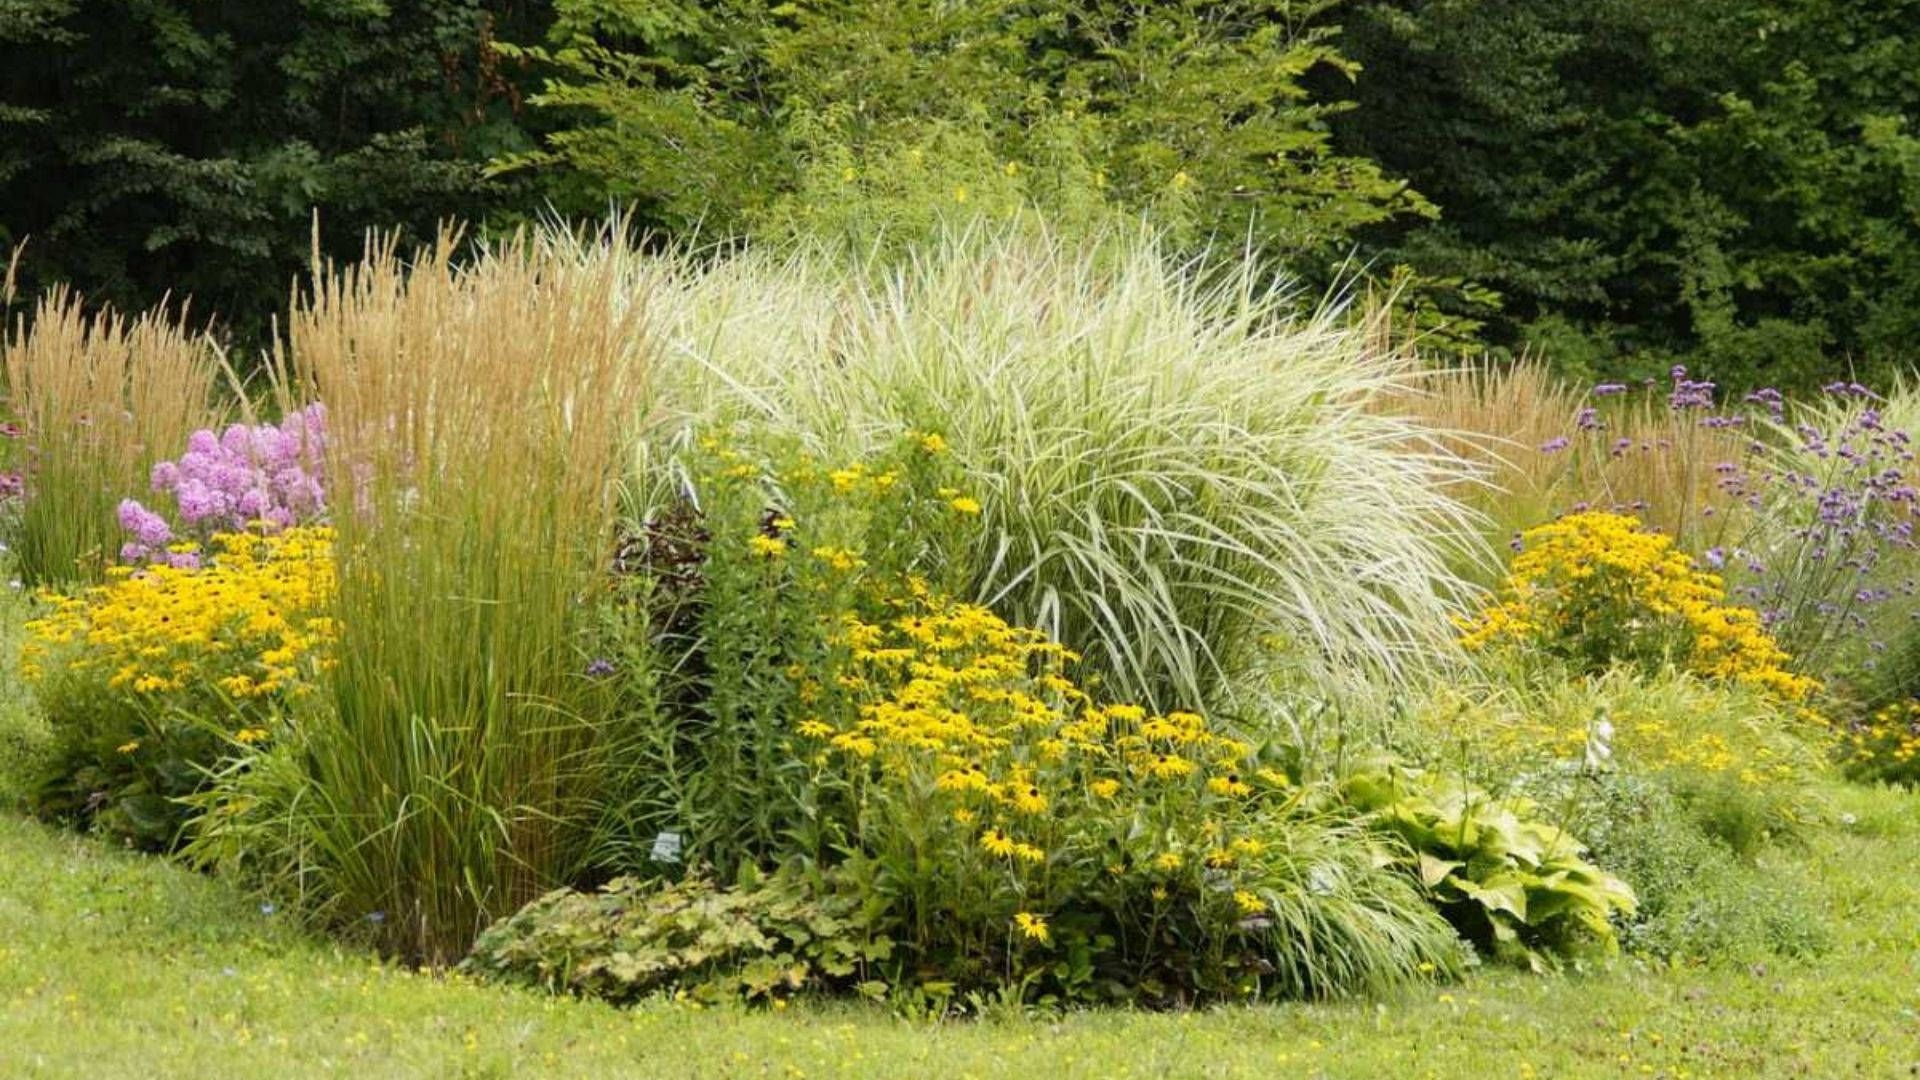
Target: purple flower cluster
x=1823 y=503
x=1688 y=393
x=1841 y=509
x=265 y=476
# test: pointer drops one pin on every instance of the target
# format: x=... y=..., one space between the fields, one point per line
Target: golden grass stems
x=1647 y=458
x=100 y=398
x=477 y=416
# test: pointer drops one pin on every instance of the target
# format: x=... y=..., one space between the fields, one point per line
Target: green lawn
x=117 y=965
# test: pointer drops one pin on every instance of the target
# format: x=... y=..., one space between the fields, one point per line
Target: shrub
x=1662 y=723
x=992 y=793
x=149 y=680
x=722 y=627
x=98 y=399
x=458 y=765
x=1178 y=479
x=1595 y=589
x=1741 y=765
x=1510 y=882
x=1699 y=901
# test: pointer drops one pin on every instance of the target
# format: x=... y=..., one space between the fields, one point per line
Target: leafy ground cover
x=169 y=973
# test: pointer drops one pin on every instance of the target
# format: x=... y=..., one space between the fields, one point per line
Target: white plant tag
x=666 y=848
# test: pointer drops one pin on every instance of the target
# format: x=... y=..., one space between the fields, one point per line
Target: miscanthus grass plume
x=1179 y=476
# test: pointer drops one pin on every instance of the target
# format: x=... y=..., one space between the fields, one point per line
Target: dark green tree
x=156 y=147
x=1733 y=184
x=744 y=115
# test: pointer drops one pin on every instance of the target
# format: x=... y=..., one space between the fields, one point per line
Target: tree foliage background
x=169 y=147
x=1620 y=185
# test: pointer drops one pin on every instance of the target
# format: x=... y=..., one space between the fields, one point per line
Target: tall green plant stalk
x=100 y=398
x=476 y=414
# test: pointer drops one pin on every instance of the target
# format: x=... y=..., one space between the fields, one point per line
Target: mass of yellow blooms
x=1599 y=588
x=248 y=623
x=976 y=723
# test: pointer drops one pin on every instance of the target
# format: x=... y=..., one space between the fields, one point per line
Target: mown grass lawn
x=117 y=965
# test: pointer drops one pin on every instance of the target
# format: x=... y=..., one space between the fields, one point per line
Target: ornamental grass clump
x=1178 y=474
x=1549 y=447
x=151 y=679
x=98 y=400
x=476 y=416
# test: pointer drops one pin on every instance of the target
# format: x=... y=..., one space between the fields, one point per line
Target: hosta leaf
x=1433 y=870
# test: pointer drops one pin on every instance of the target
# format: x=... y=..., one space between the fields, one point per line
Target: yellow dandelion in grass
x=770 y=547
x=933 y=443
x=965 y=504
x=1032 y=927
x=250 y=736
x=1168 y=861
x=128 y=747
x=1106 y=789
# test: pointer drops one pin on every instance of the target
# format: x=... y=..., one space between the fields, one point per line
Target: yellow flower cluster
x=246 y=624
x=952 y=701
x=1648 y=741
x=1887 y=744
x=1599 y=588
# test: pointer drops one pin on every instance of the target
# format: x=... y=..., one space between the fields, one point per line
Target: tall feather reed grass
x=1180 y=477
x=1649 y=460
x=477 y=413
x=100 y=397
